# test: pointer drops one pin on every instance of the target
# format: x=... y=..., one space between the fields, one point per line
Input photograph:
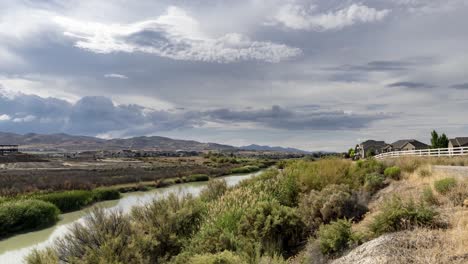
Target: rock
x=465 y=203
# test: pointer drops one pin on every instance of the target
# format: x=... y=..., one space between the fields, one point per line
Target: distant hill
x=275 y=149
x=65 y=142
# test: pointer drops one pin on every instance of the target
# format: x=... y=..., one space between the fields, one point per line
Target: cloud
x=115 y=75
x=4 y=117
x=461 y=86
x=377 y=66
x=175 y=35
x=280 y=118
x=411 y=85
x=297 y=17
x=95 y=115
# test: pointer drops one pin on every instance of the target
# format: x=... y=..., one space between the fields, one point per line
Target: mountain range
x=65 y=142
x=274 y=149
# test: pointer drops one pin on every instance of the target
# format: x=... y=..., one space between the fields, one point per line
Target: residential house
x=458 y=142
x=405 y=144
x=370 y=146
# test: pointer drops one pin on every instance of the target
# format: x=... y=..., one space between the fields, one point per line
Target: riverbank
x=13 y=249
x=29 y=212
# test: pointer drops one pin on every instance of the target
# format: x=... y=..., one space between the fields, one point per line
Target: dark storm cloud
x=280 y=118
x=461 y=86
x=411 y=85
x=99 y=115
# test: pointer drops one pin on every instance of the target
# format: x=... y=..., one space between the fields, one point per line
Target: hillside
x=275 y=149
x=65 y=142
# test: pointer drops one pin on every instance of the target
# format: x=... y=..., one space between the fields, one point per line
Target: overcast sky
x=316 y=75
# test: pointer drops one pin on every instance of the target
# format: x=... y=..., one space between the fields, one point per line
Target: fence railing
x=438 y=152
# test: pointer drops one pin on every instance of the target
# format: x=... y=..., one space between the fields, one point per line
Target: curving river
x=15 y=248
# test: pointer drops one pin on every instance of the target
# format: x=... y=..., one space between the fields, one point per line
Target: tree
x=351 y=153
x=439 y=141
x=443 y=141
x=434 y=139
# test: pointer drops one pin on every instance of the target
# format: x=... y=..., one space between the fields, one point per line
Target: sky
x=311 y=74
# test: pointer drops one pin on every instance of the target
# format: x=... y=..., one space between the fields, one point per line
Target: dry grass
x=434 y=246
x=448 y=245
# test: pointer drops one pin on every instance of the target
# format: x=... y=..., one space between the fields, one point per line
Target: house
x=405 y=144
x=458 y=142
x=367 y=147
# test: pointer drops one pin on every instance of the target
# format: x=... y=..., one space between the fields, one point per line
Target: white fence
x=439 y=152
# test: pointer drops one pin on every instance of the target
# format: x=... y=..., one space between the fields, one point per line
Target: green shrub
x=26 y=214
x=445 y=185
x=335 y=236
x=333 y=202
x=213 y=190
x=69 y=200
x=46 y=256
x=393 y=172
x=316 y=175
x=428 y=196
x=104 y=237
x=397 y=215
x=277 y=228
x=164 y=226
x=105 y=194
x=245 y=169
x=374 y=182
x=225 y=257
x=198 y=178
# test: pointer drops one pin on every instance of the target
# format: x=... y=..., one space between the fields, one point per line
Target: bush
x=335 y=236
x=245 y=169
x=277 y=228
x=164 y=226
x=225 y=257
x=47 y=256
x=333 y=202
x=397 y=215
x=213 y=190
x=393 y=172
x=105 y=194
x=428 y=196
x=198 y=178
x=104 y=237
x=374 y=182
x=445 y=185
x=317 y=175
x=69 y=200
x=26 y=214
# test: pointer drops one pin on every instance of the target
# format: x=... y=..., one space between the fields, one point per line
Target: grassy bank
x=68 y=201
x=16 y=216
x=96 y=174
x=266 y=219
x=35 y=211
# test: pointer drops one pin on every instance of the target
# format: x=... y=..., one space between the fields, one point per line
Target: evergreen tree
x=434 y=139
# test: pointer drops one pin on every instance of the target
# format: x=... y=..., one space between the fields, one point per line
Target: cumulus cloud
x=175 y=35
x=4 y=117
x=115 y=75
x=99 y=115
x=297 y=17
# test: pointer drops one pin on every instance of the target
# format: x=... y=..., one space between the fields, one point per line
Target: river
x=13 y=249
